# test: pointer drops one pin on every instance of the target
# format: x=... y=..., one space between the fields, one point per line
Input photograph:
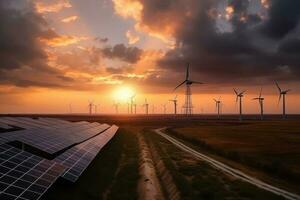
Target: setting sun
x=123 y=93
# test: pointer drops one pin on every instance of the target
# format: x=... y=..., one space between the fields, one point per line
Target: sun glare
x=123 y=94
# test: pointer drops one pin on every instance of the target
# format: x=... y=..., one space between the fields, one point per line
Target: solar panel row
x=27 y=176
x=24 y=175
x=80 y=156
x=56 y=139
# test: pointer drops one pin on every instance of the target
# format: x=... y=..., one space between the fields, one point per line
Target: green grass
x=113 y=173
x=197 y=180
x=272 y=147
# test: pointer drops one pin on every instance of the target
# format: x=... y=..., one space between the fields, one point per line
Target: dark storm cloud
x=248 y=53
x=121 y=52
x=283 y=18
x=23 y=60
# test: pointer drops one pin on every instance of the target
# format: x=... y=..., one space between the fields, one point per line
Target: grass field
x=112 y=175
x=272 y=147
x=197 y=180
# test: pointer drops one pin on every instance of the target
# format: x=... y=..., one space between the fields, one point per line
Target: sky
x=58 y=55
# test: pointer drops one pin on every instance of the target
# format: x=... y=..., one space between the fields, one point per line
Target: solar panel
x=24 y=175
x=4 y=126
x=80 y=156
x=53 y=140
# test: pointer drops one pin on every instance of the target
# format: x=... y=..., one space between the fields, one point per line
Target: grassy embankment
x=197 y=180
x=112 y=175
x=271 y=147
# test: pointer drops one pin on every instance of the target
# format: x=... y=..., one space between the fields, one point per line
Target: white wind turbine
x=218 y=106
x=261 y=104
x=239 y=96
x=146 y=105
x=175 y=104
x=282 y=93
x=90 y=105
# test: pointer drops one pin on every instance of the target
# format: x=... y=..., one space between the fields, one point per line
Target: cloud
x=70 y=19
x=121 y=52
x=132 y=39
x=252 y=50
x=52 y=6
x=62 y=40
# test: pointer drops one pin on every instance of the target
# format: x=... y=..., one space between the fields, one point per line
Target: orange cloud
x=42 y=7
x=163 y=29
x=70 y=19
x=265 y=3
x=132 y=39
x=63 y=40
x=229 y=12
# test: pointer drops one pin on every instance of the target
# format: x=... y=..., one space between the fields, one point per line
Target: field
x=267 y=150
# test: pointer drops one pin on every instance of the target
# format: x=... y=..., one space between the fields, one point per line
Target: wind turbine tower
x=239 y=96
x=146 y=105
x=175 y=104
x=116 y=105
x=90 y=107
x=261 y=104
x=96 y=108
x=188 y=106
x=131 y=103
x=218 y=106
x=282 y=93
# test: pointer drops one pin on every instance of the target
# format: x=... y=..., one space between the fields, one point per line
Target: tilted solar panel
x=24 y=175
x=52 y=141
x=80 y=156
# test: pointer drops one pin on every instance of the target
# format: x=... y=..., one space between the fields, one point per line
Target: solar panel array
x=52 y=140
x=80 y=156
x=24 y=175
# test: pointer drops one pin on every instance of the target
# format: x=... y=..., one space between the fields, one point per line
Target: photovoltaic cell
x=80 y=156
x=24 y=175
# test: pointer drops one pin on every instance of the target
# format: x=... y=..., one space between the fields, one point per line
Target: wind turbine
x=116 y=105
x=164 y=107
x=188 y=107
x=96 y=108
x=218 y=106
x=261 y=104
x=128 y=107
x=134 y=105
x=131 y=103
x=146 y=105
x=90 y=105
x=282 y=93
x=239 y=96
x=175 y=104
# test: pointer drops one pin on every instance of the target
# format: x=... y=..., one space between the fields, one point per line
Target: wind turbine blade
x=236 y=99
x=215 y=100
x=196 y=82
x=255 y=98
x=235 y=91
x=187 y=72
x=279 y=98
x=260 y=92
x=286 y=91
x=219 y=98
x=180 y=84
x=278 y=86
x=242 y=92
x=175 y=97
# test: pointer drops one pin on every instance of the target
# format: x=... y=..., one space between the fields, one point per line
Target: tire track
x=229 y=170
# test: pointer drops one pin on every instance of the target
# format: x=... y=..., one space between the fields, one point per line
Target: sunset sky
x=57 y=53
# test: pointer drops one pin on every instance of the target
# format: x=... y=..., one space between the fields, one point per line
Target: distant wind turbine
x=218 y=106
x=146 y=105
x=96 y=108
x=116 y=105
x=131 y=103
x=282 y=93
x=90 y=105
x=261 y=104
x=239 y=96
x=175 y=104
x=188 y=106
